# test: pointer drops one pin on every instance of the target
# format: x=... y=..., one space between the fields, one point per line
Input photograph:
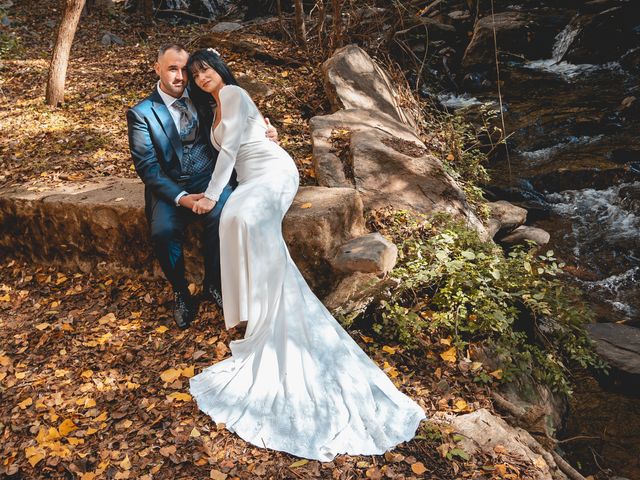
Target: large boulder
x=353 y=80
x=618 y=344
x=485 y=433
x=102 y=224
x=326 y=131
x=387 y=164
x=520 y=33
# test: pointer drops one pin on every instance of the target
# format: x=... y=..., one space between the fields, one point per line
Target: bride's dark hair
x=200 y=60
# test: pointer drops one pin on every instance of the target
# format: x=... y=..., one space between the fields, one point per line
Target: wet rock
x=604 y=36
x=353 y=80
x=517 y=32
x=631 y=60
x=371 y=253
x=525 y=233
x=102 y=224
x=504 y=216
x=618 y=344
x=255 y=87
x=484 y=434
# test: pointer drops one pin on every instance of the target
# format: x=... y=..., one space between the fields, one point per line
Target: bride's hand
x=272 y=133
x=204 y=205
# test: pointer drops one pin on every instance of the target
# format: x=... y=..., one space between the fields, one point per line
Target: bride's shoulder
x=233 y=91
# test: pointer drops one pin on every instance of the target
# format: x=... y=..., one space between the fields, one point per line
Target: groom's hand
x=189 y=200
x=204 y=205
x=272 y=133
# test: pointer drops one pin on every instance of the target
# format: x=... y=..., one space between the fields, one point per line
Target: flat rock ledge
x=101 y=223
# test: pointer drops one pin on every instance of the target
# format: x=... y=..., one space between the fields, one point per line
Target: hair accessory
x=214 y=51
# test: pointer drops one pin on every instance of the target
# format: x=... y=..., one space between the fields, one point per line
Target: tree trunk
x=147 y=9
x=60 y=59
x=301 y=32
x=336 y=36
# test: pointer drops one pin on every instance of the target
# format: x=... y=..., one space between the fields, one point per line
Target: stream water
x=575 y=164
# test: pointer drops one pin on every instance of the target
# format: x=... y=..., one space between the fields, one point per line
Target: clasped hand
x=197 y=203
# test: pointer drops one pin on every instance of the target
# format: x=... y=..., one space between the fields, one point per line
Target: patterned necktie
x=187 y=120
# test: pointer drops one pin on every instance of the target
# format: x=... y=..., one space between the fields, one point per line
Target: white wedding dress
x=297 y=382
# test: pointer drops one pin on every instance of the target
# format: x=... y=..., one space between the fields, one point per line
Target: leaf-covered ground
x=94 y=384
x=93 y=373
x=87 y=136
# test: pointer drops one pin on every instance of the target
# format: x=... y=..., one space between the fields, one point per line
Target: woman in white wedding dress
x=297 y=382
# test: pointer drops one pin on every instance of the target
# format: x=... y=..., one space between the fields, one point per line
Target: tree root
x=525 y=418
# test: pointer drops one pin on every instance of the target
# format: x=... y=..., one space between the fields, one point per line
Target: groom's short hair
x=170 y=46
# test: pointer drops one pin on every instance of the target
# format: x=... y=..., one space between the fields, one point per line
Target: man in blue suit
x=172 y=153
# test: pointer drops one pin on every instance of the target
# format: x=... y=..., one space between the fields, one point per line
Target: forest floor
x=93 y=373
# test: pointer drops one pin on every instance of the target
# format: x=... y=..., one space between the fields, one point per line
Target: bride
x=296 y=382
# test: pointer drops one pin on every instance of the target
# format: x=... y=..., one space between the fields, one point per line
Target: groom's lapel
x=164 y=117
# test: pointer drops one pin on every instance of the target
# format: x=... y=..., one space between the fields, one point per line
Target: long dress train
x=297 y=382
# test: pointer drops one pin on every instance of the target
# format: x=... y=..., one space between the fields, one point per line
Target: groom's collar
x=168 y=99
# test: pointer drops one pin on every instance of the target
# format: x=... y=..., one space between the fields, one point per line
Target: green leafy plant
x=448 y=281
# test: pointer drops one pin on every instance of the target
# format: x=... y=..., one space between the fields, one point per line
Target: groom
x=173 y=155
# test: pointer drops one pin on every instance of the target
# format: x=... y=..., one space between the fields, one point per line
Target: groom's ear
x=156 y=68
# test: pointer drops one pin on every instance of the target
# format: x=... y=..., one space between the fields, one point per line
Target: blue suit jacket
x=156 y=148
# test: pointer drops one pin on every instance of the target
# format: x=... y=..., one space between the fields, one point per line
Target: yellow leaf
x=476 y=365
x=108 y=318
x=461 y=405
x=366 y=339
x=75 y=441
x=101 y=418
x=25 y=403
x=497 y=374
x=6 y=298
x=299 y=463
x=66 y=427
x=418 y=468
x=306 y=205
x=170 y=375
x=87 y=374
x=2 y=375
x=189 y=371
x=35 y=458
x=445 y=341
x=450 y=157
x=61 y=280
x=285 y=74
x=194 y=433
x=449 y=355
x=161 y=329
x=91 y=431
x=179 y=396
x=5 y=361
x=42 y=326
x=438 y=372
x=389 y=350
x=21 y=375
x=126 y=463
x=88 y=476
x=55 y=304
